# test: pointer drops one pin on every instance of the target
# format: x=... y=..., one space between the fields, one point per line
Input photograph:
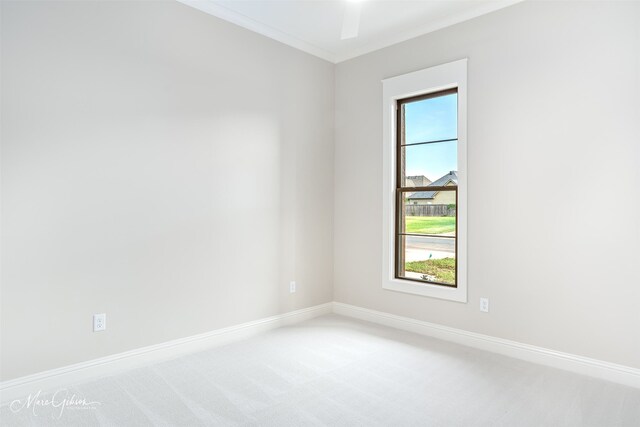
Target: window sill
x=427 y=290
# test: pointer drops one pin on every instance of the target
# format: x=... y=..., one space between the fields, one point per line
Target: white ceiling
x=314 y=26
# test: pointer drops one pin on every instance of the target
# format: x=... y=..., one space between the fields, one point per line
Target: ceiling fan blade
x=351 y=20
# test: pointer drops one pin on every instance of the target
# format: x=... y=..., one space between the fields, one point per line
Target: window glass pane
x=431 y=119
x=427 y=219
x=428 y=259
x=428 y=212
x=425 y=164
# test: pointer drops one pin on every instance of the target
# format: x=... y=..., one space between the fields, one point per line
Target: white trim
x=427 y=28
x=452 y=74
x=84 y=371
x=217 y=10
x=620 y=374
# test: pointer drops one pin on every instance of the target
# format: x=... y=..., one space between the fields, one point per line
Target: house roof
x=418 y=180
x=440 y=182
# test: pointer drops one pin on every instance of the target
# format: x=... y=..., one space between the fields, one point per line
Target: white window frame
x=434 y=79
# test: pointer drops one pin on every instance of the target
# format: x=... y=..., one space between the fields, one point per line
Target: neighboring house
x=417 y=181
x=436 y=197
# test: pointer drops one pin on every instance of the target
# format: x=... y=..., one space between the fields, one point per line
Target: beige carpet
x=340 y=372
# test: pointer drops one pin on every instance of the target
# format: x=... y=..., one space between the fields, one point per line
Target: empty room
x=320 y=213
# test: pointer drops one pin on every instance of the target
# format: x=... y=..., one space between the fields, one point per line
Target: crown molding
x=215 y=9
x=427 y=28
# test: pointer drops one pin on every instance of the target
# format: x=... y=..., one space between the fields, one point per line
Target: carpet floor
x=335 y=371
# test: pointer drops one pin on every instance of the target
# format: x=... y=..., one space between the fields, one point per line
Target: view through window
x=427 y=188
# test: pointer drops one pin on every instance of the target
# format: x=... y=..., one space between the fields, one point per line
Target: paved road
x=431 y=244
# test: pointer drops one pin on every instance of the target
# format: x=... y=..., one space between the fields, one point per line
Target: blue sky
x=431 y=120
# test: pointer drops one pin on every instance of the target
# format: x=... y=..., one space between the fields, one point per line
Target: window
x=424 y=228
x=426 y=176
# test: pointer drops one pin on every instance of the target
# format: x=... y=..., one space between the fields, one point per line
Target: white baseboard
x=73 y=374
x=582 y=365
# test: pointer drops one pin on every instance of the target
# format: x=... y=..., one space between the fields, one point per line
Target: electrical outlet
x=484 y=305
x=292 y=286
x=99 y=322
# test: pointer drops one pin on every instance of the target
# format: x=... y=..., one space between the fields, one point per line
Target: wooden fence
x=429 y=210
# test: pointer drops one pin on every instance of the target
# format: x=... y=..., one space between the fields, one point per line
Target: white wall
x=176 y=171
x=159 y=165
x=554 y=116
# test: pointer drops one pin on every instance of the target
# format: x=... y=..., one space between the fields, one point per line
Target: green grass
x=443 y=269
x=430 y=224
